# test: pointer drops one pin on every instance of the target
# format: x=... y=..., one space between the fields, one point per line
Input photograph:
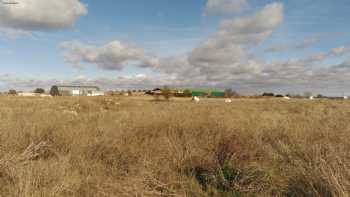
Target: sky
x=252 y=46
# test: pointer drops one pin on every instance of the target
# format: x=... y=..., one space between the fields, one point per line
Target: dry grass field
x=111 y=146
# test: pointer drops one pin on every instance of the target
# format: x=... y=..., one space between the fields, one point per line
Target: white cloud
x=224 y=57
x=293 y=75
x=308 y=42
x=223 y=60
x=139 y=81
x=112 y=56
x=282 y=47
x=220 y=7
x=227 y=50
x=8 y=33
x=38 y=15
x=277 y=48
x=340 y=50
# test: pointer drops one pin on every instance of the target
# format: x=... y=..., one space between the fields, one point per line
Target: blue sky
x=168 y=28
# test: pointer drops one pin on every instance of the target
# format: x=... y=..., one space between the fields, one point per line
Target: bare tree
x=12 y=92
x=229 y=93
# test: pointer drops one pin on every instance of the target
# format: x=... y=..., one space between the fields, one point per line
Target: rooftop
x=73 y=86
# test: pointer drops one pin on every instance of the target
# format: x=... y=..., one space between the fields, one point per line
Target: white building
x=80 y=91
x=96 y=93
x=27 y=94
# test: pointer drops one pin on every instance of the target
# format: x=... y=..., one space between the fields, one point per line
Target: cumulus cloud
x=282 y=47
x=112 y=56
x=11 y=81
x=308 y=42
x=305 y=73
x=39 y=15
x=227 y=50
x=223 y=60
x=288 y=76
x=221 y=7
x=8 y=33
x=220 y=59
x=340 y=50
x=277 y=48
x=139 y=81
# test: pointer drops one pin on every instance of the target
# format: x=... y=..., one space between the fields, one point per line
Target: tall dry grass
x=132 y=147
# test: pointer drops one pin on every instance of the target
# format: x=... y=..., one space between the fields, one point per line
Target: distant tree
x=294 y=95
x=166 y=93
x=187 y=93
x=12 y=92
x=307 y=94
x=320 y=96
x=268 y=94
x=129 y=92
x=229 y=93
x=235 y=94
x=54 y=91
x=39 y=91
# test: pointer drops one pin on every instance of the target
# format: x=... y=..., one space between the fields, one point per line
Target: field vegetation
x=121 y=146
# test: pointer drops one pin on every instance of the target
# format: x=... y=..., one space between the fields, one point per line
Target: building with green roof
x=202 y=92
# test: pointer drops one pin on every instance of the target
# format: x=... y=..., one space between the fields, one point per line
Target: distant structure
x=80 y=91
x=27 y=94
x=156 y=91
x=214 y=93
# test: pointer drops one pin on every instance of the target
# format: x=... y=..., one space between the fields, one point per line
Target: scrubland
x=113 y=146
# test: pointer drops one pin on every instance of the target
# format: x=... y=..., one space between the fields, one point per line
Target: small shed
x=199 y=93
x=207 y=92
x=27 y=94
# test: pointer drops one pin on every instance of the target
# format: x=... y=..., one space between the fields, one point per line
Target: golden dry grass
x=114 y=146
